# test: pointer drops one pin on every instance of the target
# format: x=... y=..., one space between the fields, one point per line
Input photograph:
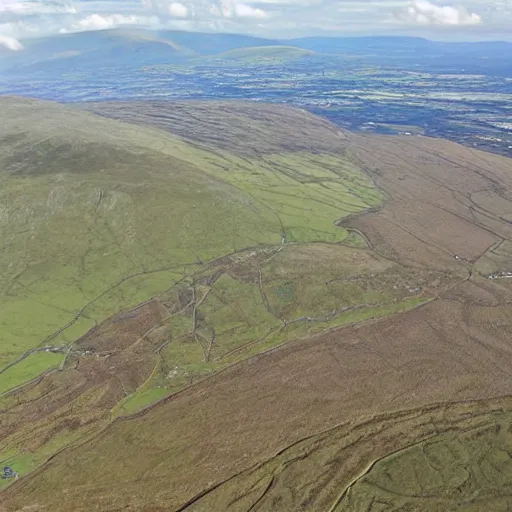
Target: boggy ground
x=332 y=422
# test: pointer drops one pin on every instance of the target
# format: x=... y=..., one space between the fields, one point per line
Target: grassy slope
x=97 y=222
x=113 y=214
x=458 y=460
x=258 y=300
x=469 y=470
x=113 y=201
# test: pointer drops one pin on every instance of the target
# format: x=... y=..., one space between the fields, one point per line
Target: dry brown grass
x=436 y=209
x=246 y=128
x=250 y=412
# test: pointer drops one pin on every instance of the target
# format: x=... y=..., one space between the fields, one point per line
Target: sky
x=436 y=19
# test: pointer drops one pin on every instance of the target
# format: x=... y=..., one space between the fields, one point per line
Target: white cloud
x=226 y=9
x=423 y=12
x=246 y=11
x=103 y=22
x=232 y=9
x=10 y=43
x=29 y=8
x=20 y=19
x=178 y=10
x=291 y=2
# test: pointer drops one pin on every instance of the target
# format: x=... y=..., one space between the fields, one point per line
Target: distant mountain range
x=135 y=48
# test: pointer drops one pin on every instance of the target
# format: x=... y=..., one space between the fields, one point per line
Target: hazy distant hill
x=120 y=48
x=490 y=57
x=376 y=43
x=133 y=49
x=258 y=55
x=210 y=44
x=90 y=50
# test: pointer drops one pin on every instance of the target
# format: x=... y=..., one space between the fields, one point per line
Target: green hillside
x=99 y=215
x=269 y=55
x=239 y=251
x=94 y=219
x=89 y=51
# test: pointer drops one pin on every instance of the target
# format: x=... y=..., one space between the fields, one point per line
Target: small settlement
x=500 y=275
x=8 y=472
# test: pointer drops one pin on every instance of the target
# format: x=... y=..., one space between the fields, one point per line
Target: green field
x=107 y=222
x=257 y=300
x=259 y=55
x=467 y=471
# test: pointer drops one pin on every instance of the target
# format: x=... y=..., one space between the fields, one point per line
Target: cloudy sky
x=437 y=19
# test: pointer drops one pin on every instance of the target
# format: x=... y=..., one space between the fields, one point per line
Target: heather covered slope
x=396 y=342
x=241 y=127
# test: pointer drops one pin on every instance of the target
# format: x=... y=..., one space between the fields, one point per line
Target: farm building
x=8 y=472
